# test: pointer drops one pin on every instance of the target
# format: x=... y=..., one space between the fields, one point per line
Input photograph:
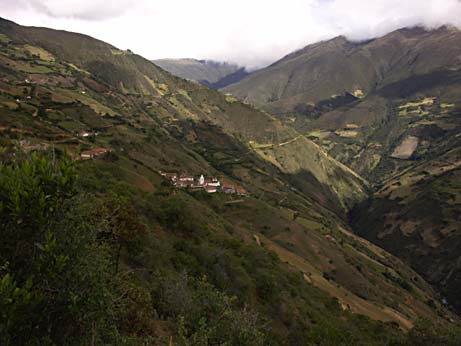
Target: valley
x=285 y=265
x=393 y=118
x=212 y=74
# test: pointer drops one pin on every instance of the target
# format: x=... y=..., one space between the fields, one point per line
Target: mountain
x=331 y=68
x=389 y=109
x=123 y=257
x=210 y=73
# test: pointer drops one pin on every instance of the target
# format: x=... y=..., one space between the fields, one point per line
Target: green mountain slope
x=171 y=99
x=395 y=121
x=319 y=72
x=210 y=73
x=285 y=251
x=402 y=136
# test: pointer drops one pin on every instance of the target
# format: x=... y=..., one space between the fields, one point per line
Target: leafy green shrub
x=57 y=282
x=175 y=214
x=205 y=315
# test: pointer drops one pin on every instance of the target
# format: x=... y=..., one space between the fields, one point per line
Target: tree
x=31 y=194
x=56 y=279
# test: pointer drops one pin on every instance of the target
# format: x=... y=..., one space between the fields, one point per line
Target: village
x=182 y=181
x=210 y=184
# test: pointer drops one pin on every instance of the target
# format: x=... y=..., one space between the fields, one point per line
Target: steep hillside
x=395 y=121
x=360 y=101
x=285 y=250
x=210 y=73
x=404 y=138
x=416 y=215
x=327 y=74
x=169 y=99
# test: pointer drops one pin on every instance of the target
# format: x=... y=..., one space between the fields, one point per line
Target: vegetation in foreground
x=120 y=267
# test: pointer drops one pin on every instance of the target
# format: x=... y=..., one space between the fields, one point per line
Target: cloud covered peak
x=251 y=33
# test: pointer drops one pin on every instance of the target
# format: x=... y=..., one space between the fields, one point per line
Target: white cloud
x=76 y=9
x=250 y=32
x=361 y=20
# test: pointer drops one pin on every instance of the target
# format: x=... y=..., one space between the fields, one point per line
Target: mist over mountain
x=210 y=73
x=248 y=33
x=337 y=66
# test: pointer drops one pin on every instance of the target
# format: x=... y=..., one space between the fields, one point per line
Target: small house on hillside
x=211 y=189
x=182 y=184
x=241 y=191
x=84 y=134
x=212 y=182
x=196 y=187
x=228 y=188
x=185 y=177
x=170 y=176
x=90 y=154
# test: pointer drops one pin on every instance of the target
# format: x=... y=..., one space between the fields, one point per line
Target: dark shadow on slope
x=324 y=106
x=414 y=84
x=232 y=78
x=306 y=183
x=221 y=151
x=432 y=247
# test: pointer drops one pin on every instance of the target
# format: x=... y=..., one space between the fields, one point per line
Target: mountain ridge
x=353 y=76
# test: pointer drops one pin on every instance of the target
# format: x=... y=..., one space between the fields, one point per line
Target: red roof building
x=228 y=188
x=185 y=177
x=211 y=189
x=182 y=184
x=212 y=182
x=196 y=187
x=241 y=191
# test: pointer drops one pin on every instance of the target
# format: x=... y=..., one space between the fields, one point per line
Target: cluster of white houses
x=210 y=185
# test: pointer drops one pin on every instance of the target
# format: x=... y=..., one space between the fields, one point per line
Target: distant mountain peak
x=419 y=30
x=211 y=73
x=339 y=39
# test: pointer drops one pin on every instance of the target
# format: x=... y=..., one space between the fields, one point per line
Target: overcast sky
x=250 y=32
